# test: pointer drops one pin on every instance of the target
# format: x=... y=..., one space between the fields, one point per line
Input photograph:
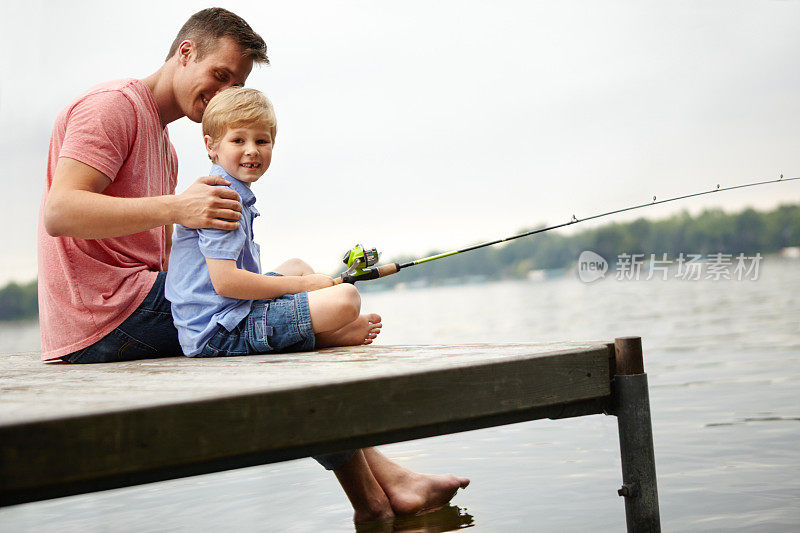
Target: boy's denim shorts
x=275 y=325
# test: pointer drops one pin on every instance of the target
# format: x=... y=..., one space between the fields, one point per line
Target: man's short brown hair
x=205 y=27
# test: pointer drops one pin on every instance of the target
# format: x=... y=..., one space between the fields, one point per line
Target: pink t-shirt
x=88 y=287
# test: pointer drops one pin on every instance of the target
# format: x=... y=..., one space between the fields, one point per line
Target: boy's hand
x=313 y=282
x=203 y=205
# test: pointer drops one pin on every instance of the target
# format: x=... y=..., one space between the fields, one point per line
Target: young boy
x=223 y=305
x=221 y=302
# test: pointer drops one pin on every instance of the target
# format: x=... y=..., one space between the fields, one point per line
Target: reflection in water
x=755 y=419
x=448 y=518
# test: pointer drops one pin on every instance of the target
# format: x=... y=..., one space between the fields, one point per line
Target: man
x=109 y=203
x=106 y=221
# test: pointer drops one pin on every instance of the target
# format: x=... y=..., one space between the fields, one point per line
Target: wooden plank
x=69 y=428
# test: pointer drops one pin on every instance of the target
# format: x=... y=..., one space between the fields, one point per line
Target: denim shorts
x=275 y=325
x=146 y=334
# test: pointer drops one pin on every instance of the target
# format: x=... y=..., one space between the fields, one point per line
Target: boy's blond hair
x=238 y=107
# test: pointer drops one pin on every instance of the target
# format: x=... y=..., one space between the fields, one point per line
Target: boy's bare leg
x=334 y=311
x=336 y=320
x=410 y=492
x=362 y=330
x=333 y=307
x=294 y=267
x=365 y=494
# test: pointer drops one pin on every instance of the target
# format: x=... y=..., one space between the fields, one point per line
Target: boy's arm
x=76 y=207
x=232 y=282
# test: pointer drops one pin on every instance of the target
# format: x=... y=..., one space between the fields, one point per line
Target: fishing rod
x=361 y=262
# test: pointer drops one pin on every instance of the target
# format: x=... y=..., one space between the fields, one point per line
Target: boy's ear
x=211 y=148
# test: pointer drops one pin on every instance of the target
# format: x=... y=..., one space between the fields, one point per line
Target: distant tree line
x=19 y=302
x=711 y=231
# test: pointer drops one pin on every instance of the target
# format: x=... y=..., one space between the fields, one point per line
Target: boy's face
x=245 y=153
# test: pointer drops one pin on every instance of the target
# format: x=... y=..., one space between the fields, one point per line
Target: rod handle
x=388 y=270
x=373 y=273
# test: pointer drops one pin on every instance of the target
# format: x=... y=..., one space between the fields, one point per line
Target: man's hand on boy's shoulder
x=204 y=205
x=313 y=282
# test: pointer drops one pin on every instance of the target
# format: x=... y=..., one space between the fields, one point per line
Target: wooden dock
x=71 y=429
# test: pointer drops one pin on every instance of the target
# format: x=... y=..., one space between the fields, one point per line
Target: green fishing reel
x=361 y=265
x=358 y=259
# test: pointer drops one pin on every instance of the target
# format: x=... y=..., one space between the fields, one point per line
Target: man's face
x=196 y=82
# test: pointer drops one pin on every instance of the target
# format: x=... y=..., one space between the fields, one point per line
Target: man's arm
x=76 y=207
x=232 y=282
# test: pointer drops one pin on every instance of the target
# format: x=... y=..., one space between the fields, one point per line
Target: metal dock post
x=632 y=408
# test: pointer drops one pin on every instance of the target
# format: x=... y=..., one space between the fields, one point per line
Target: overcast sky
x=413 y=126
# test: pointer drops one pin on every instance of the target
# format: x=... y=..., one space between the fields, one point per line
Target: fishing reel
x=361 y=265
x=359 y=259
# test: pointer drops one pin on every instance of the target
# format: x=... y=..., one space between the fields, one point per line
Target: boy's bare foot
x=362 y=330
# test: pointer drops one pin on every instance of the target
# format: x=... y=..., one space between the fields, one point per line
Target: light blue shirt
x=197 y=309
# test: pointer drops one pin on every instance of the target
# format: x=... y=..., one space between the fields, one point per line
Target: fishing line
x=360 y=262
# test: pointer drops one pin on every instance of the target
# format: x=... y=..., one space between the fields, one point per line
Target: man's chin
x=196 y=113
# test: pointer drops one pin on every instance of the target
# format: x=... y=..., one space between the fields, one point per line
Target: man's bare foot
x=408 y=491
x=417 y=493
x=370 y=503
x=373 y=514
x=362 y=330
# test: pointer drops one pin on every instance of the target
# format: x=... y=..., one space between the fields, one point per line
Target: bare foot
x=417 y=493
x=373 y=514
x=408 y=491
x=362 y=330
x=370 y=504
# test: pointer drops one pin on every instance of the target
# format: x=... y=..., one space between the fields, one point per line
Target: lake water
x=723 y=362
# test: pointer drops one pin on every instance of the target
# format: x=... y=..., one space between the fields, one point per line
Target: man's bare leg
x=410 y=492
x=377 y=487
x=365 y=494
